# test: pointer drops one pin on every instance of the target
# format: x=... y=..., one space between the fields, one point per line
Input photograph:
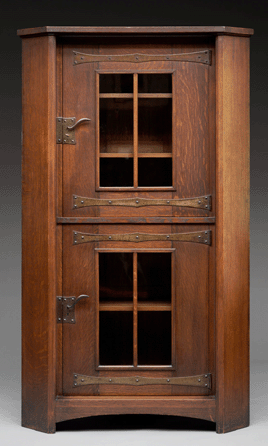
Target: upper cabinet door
x=147 y=148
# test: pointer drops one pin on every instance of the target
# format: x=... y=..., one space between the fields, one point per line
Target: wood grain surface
x=136 y=30
x=39 y=233
x=206 y=306
x=194 y=407
x=232 y=236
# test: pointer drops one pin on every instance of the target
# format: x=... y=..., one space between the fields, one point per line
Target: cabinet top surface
x=87 y=30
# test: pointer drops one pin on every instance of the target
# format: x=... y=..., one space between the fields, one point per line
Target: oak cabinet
x=135 y=223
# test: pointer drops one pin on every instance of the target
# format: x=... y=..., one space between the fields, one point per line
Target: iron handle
x=82 y=296
x=78 y=122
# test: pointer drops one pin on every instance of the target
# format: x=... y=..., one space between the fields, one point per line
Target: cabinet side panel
x=232 y=242
x=38 y=232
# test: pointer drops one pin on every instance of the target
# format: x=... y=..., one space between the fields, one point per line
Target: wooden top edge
x=136 y=30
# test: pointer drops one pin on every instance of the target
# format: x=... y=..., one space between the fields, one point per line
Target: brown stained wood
x=117 y=389
x=89 y=165
x=202 y=57
x=194 y=407
x=232 y=237
x=79 y=101
x=154 y=306
x=97 y=305
x=59 y=326
x=136 y=220
x=135 y=309
x=155 y=155
x=79 y=338
x=59 y=212
x=115 y=155
x=136 y=30
x=209 y=305
x=192 y=299
x=116 y=95
x=194 y=113
x=154 y=95
x=135 y=130
x=116 y=306
x=97 y=133
x=39 y=225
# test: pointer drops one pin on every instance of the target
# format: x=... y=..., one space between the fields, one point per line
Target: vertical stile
x=135 y=309
x=173 y=129
x=97 y=130
x=97 y=309
x=173 y=310
x=135 y=128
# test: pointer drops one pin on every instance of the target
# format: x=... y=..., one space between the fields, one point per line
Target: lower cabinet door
x=139 y=310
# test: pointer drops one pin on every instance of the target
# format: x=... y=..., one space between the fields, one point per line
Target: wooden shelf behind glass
x=141 y=306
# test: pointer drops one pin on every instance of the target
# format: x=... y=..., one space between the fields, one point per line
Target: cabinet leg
x=223 y=427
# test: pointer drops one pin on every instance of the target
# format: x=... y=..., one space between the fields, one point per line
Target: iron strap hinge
x=65 y=129
x=66 y=308
x=193 y=381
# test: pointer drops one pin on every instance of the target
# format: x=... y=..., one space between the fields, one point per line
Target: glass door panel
x=135 y=307
x=116 y=83
x=115 y=277
x=154 y=277
x=155 y=125
x=116 y=172
x=155 y=172
x=116 y=125
x=135 y=130
x=154 y=337
x=155 y=83
x=116 y=338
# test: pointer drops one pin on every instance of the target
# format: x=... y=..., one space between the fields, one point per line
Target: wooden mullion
x=97 y=287
x=97 y=131
x=135 y=128
x=135 y=309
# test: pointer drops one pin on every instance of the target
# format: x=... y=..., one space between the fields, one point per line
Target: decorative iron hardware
x=195 y=237
x=66 y=308
x=197 y=202
x=65 y=129
x=203 y=57
x=193 y=381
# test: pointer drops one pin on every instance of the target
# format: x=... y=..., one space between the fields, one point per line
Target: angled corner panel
x=232 y=239
x=38 y=232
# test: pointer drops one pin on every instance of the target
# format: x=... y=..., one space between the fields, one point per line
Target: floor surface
x=139 y=430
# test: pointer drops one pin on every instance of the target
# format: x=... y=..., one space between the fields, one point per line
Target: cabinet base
x=67 y=408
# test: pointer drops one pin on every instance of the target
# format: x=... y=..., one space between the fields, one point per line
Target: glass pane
x=116 y=172
x=155 y=172
x=115 y=276
x=116 y=125
x=155 y=83
x=154 y=338
x=116 y=83
x=155 y=125
x=116 y=338
x=154 y=277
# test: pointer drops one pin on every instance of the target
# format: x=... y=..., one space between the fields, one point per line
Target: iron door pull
x=77 y=123
x=66 y=308
x=82 y=296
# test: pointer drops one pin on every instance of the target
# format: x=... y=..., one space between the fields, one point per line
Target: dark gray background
x=33 y=13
